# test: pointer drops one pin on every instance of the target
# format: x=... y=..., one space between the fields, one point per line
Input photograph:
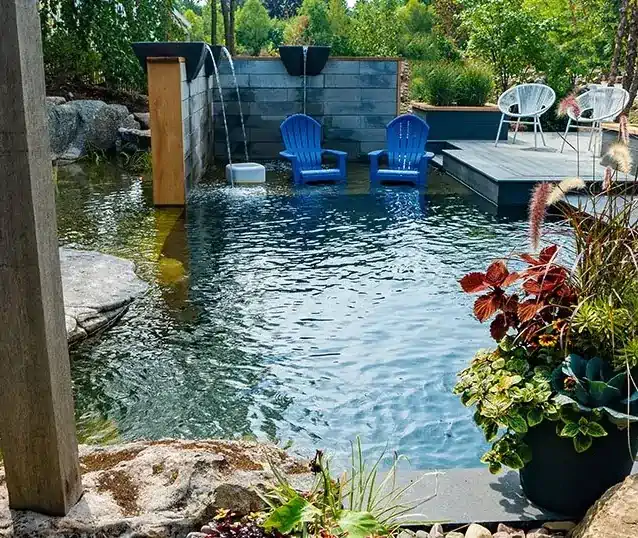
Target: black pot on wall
x=292 y=57
x=561 y=480
x=194 y=53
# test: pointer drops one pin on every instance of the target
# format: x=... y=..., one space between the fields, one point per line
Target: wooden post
x=165 y=105
x=37 y=427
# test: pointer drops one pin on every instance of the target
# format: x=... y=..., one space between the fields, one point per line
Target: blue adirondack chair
x=302 y=138
x=408 y=161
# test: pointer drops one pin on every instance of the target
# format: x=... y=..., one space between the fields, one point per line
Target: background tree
x=253 y=26
x=228 y=15
x=374 y=30
x=282 y=9
x=508 y=35
x=318 y=30
x=339 y=21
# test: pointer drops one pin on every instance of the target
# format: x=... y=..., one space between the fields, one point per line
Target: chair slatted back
x=302 y=136
x=406 y=136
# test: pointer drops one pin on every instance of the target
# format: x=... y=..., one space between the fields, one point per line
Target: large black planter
x=193 y=52
x=292 y=57
x=566 y=482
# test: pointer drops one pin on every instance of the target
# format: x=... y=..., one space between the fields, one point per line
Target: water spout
x=305 y=77
x=241 y=113
x=221 y=102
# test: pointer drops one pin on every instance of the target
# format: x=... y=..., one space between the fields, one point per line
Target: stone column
x=37 y=428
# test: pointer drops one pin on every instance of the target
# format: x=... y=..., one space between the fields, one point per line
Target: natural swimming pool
x=307 y=315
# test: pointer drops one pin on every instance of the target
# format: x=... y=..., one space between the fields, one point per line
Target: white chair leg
x=569 y=124
x=500 y=126
x=591 y=136
x=535 y=135
x=540 y=128
x=518 y=125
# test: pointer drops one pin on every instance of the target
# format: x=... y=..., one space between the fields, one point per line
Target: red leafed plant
x=547 y=295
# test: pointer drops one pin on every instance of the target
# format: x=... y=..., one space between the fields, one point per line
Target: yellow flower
x=547 y=340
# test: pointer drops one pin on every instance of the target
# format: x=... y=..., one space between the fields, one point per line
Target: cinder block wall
x=197 y=117
x=353 y=98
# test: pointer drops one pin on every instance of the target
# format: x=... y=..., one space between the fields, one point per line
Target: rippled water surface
x=307 y=315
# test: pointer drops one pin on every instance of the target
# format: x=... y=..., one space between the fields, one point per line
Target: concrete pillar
x=37 y=428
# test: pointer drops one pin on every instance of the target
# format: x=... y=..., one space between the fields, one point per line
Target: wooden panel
x=165 y=105
x=37 y=426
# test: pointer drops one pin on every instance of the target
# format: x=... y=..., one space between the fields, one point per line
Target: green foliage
x=197 y=31
x=374 y=507
x=318 y=30
x=90 y=41
x=506 y=34
x=374 y=30
x=450 y=83
x=253 y=26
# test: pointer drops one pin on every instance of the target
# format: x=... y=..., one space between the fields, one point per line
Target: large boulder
x=158 y=489
x=76 y=127
x=615 y=514
x=97 y=290
x=133 y=140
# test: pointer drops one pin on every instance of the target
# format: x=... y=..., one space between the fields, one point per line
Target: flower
x=570 y=382
x=623 y=129
x=537 y=211
x=608 y=179
x=569 y=104
x=567 y=185
x=547 y=340
x=617 y=157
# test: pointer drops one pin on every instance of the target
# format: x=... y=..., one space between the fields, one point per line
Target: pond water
x=304 y=316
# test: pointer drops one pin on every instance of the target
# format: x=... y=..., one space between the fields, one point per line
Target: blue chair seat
x=302 y=137
x=408 y=161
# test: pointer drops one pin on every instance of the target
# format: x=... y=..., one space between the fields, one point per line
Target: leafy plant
x=253 y=26
x=438 y=85
x=452 y=83
x=474 y=85
x=374 y=508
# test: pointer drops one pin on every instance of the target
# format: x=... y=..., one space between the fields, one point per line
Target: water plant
x=357 y=504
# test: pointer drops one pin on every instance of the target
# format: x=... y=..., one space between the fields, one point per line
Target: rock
x=454 y=535
x=501 y=534
x=97 y=290
x=132 y=140
x=63 y=123
x=157 y=489
x=538 y=533
x=76 y=126
x=559 y=526
x=407 y=533
x=614 y=515
x=436 y=531
x=422 y=534
x=55 y=100
x=510 y=531
x=477 y=531
x=144 y=118
x=196 y=535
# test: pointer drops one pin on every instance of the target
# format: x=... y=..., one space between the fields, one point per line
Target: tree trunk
x=618 y=44
x=226 y=19
x=231 y=16
x=213 y=22
x=632 y=47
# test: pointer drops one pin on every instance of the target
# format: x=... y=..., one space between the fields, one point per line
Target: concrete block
x=375 y=67
x=342 y=94
x=343 y=122
x=372 y=122
x=342 y=81
x=378 y=94
x=357 y=135
x=337 y=108
x=257 y=134
x=270 y=81
x=261 y=67
x=226 y=81
x=378 y=81
x=312 y=95
x=341 y=67
x=266 y=150
x=185 y=90
x=353 y=149
x=283 y=108
x=378 y=108
x=270 y=94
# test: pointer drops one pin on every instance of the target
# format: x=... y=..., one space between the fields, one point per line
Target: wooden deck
x=506 y=174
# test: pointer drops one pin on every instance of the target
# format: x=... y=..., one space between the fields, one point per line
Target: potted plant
x=557 y=396
x=452 y=97
x=305 y=56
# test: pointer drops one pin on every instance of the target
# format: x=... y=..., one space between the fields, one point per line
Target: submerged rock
x=97 y=290
x=158 y=489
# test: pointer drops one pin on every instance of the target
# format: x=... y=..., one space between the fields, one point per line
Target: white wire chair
x=597 y=104
x=525 y=101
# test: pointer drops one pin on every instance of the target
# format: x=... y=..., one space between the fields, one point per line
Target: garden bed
x=460 y=122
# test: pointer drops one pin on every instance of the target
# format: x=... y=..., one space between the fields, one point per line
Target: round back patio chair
x=597 y=104
x=525 y=101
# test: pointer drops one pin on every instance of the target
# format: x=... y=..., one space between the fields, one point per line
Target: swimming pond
x=304 y=316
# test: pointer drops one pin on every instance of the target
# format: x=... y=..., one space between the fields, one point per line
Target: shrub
x=318 y=30
x=253 y=26
x=474 y=85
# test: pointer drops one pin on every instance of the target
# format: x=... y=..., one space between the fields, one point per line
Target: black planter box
x=195 y=54
x=461 y=122
x=292 y=57
x=561 y=480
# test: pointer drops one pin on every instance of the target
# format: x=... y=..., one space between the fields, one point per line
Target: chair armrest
x=335 y=152
x=377 y=153
x=288 y=155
